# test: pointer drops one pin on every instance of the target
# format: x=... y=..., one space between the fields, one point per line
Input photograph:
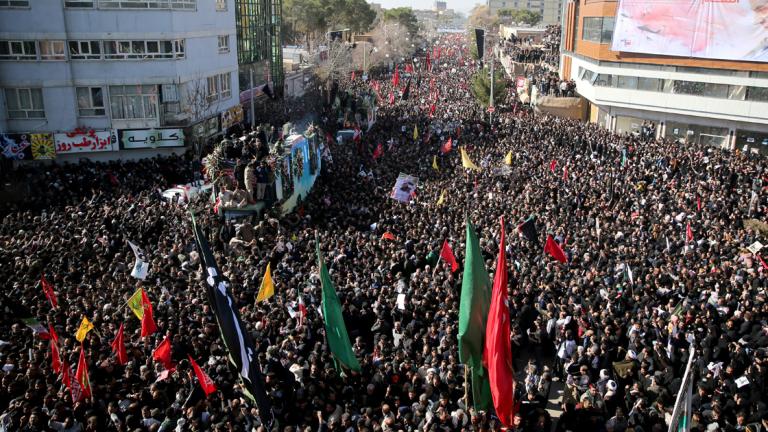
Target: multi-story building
x=258 y=26
x=124 y=79
x=550 y=10
x=633 y=69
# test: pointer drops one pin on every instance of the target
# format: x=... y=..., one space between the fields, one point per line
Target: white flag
x=629 y=274
x=141 y=267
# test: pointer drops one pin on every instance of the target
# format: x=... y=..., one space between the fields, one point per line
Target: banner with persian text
x=85 y=141
x=713 y=29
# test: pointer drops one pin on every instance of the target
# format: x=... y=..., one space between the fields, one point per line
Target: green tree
x=523 y=16
x=481 y=86
x=481 y=17
x=309 y=20
x=404 y=16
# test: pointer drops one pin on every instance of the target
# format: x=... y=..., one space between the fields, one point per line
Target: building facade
x=707 y=101
x=550 y=10
x=258 y=25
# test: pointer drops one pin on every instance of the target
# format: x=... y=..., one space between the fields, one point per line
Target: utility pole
x=253 y=110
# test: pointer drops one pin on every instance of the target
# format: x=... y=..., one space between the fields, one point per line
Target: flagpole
x=466 y=387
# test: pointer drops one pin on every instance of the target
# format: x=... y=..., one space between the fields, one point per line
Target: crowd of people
x=656 y=236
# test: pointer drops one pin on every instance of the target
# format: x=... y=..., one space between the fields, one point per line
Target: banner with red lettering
x=85 y=141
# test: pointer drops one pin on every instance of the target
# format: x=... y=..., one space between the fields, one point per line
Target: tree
x=403 y=16
x=481 y=86
x=523 y=16
x=393 y=42
x=481 y=17
x=308 y=20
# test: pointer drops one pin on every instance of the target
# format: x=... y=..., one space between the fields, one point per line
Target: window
x=758 y=94
x=140 y=50
x=219 y=87
x=84 y=50
x=149 y=4
x=14 y=3
x=688 y=87
x=18 y=50
x=90 y=101
x=133 y=101
x=604 y=80
x=598 y=29
x=52 y=50
x=626 y=82
x=648 y=84
x=24 y=103
x=78 y=4
x=221 y=5
x=224 y=44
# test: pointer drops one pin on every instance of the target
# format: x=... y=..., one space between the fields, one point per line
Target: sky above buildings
x=463 y=6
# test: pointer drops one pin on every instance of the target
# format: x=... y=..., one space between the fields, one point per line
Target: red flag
x=147 y=321
x=55 y=357
x=432 y=110
x=458 y=131
x=565 y=173
x=48 y=290
x=688 y=232
x=66 y=378
x=302 y=310
x=497 y=355
x=205 y=381
x=552 y=165
x=391 y=98
x=762 y=262
x=396 y=77
x=429 y=63
x=81 y=376
x=446 y=253
x=408 y=68
x=388 y=236
x=378 y=152
x=698 y=202
x=445 y=148
x=555 y=250
x=353 y=75
x=163 y=354
x=118 y=347
x=437 y=57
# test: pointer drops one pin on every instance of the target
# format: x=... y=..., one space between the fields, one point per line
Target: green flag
x=335 y=330
x=473 y=315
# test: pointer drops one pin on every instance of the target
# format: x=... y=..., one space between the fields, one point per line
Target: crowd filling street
x=655 y=234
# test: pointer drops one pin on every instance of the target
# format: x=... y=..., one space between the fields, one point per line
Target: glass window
x=133 y=101
x=139 y=49
x=737 y=92
x=224 y=44
x=221 y=5
x=213 y=90
x=84 y=50
x=14 y=3
x=648 y=84
x=626 y=82
x=90 y=101
x=24 y=103
x=688 y=87
x=607 y=30
x=593 y=27
x=759 y=94
x=149 y=4
x=18 y=50
x=225 y=82
x=715 y=90
x=78 y=4
x=604 y=80
x=52 y=50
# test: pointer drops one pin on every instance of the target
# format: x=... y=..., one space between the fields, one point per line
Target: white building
x=550 y=10
x=122 y=78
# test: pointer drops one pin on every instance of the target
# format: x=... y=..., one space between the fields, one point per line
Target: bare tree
x=200 y=103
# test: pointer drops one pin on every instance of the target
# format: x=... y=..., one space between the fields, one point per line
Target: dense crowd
x=615 y=324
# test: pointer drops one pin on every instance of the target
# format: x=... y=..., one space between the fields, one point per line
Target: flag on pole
x=141 y=266
x=445 y=148
x=698 y=203
x=441 y=200
x=688 y=232
x=473 y=315
x=82 y=331
x=235 y=336
x=135 y=305
x=446 y=253
x=19 y=312
x=388 y=236
x=66 y=378
x=378 y=152
x=565 y=173
x=432 y=108
x=434 y=164
x=302 y=310
x=630 y=276
x=118 y=347
x=497 y=355
x=552 y=165
x=48 y=290
x=163 y=354
x=55 y=357
x=407 y=90
x=466 y=162
x=267 y=288
x=682 y=412
x=206 y=383
x=528 y=229
x=597 y=229
x=335 y=329
x=81 y=376
x=396 y=77
x=508 y=158
x=147 y=320
x=391 y=98
x=555 y=250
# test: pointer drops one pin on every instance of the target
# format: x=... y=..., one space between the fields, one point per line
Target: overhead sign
x=151 y=138
x=26 y=146
x=714 y=29
x=84 y=141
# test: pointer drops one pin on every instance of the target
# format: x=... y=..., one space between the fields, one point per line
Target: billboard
x=712 y=29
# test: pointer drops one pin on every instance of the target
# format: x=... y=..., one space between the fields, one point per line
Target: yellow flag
x=466 y=162
x=508 y=158
x=441 y=200
x=434 y=164
x=415 y=132
x=85 y=327
x=134 y=304
x=267 y=288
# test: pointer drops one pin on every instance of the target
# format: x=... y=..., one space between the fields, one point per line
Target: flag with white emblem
x=141 y=266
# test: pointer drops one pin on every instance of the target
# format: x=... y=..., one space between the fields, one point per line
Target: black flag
x=407 y=90
x=480 y=39
x=528 y=229
x=234 y=334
